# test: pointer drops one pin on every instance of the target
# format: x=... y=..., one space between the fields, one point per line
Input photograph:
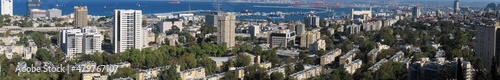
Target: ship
x=174 y=2
x=246 y=11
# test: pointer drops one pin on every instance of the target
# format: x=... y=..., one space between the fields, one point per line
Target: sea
x=106 y=7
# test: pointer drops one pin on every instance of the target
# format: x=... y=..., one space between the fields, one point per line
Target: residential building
x=283 y=38
x=416 y=12
x=372 y=55
x=389 y=22
x=363 y=15
x=124 y=78
x=468 y=70
x=372 y=25
x=172 y=39
x=297 y=27
x=347 y=58
x=311 y=21
x=398 y=56
x=102 y=77
x=215 y=76
x=191 y=74
x=353 y=29
x=456 y=6
x=377 y=65
x=81 y=19
x=148 y=74
x=86 y=40
x=425 y=69
x=7 y=7
x=317 y=45
x=167 y=25
x=280 y=69
x=127 y=30
x=330 y=56
x=309 y=37
x=32 y=4
x=487 y=44
x=254 y=30
x=219 y=61
x=89 y=76
x=352 y=66
x=226 y=26
x=38 y=13
x=307 y=73
x=54 y=13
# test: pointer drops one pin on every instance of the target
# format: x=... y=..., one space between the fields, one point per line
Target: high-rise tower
x=7 y=7
x=127 y=30
x=80 y=19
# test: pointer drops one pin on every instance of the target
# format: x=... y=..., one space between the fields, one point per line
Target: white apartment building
x=127 y=30
x=167 y=25
x=7 y=7
x=54 y=13
x=86 y=40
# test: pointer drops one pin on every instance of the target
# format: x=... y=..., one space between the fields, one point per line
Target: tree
x=208 y=64
x=277 y=76
x=242 y=60
x=124 y=72
x=170 y=74
x=256 y=73
x=174 y=30
x=229 y=75
x=299 y=67
x=43 y=55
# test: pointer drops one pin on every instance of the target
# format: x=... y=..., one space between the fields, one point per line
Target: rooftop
x=350 y=53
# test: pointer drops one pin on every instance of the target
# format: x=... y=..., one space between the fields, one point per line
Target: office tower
x=456 y=6
x=309 y=37
x=86 y=40
x=226 y=27
x=211 y=20
x=54 y=13
x=281 y=39
x=7 y=7
x=32 y=4
x=487 y=44
x=416 y=12
x=80 y=19
x=127 y=30
x=311 y=21
x=254 y=30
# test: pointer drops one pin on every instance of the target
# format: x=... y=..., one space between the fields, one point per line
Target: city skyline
x=250 y=40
